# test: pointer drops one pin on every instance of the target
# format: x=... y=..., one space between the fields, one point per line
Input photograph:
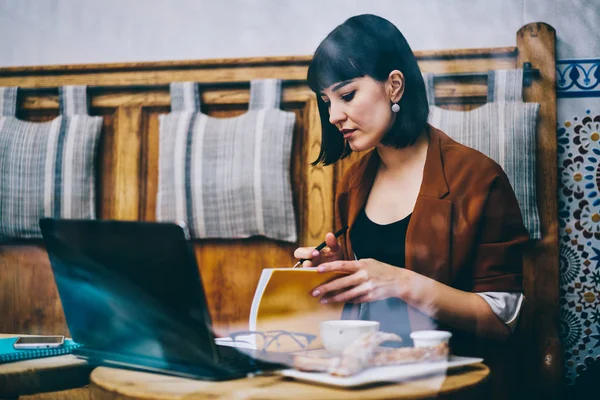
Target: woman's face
x=360 y=109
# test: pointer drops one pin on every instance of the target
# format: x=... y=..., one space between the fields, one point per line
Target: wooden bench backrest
x=131 y=96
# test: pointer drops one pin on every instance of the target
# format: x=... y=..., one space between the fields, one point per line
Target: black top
x=385 y=243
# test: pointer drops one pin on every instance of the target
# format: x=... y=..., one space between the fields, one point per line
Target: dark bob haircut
x=368 y=45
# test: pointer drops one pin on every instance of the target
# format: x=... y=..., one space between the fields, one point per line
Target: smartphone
x=38 y=342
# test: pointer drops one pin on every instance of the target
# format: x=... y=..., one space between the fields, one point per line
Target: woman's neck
x=398 y=159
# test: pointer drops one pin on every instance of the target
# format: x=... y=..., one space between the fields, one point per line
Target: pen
x=322 y=245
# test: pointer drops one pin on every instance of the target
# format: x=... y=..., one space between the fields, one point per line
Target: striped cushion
x=46 y=169
x=503 y=129
x=227 y=177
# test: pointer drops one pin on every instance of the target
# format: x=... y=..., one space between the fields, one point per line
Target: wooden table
x=42 y=375
x=111 y=384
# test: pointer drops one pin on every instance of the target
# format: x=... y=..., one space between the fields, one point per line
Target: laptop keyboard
x=231 y=364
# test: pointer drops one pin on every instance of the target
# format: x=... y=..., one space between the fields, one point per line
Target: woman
x=435 y=232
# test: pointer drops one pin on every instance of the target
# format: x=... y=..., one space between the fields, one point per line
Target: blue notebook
x=9 y=354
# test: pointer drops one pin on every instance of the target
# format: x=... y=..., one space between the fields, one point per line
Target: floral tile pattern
x=579 y=223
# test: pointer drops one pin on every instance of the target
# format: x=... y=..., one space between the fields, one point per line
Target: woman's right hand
x=332 y=252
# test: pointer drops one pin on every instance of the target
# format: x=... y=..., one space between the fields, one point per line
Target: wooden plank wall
x=127 y=177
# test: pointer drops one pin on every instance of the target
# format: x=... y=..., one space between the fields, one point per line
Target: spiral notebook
x=9 y=354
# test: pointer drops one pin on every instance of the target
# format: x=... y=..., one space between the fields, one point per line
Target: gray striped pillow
x=227 y=177
x=46 y=169
x=504 y=129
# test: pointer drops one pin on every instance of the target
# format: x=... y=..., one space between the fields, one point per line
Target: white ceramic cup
x=430 y=338
x=338 y=334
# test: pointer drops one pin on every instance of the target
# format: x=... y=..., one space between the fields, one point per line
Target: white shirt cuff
x=506 y=306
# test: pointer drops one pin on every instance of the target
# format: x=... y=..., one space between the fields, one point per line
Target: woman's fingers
x=359 y=291
x=313 y=257
x=309 y=255
x=332 y=243
x=305 y=253
x=342 y=266
x=340 y=284
x=336 y=284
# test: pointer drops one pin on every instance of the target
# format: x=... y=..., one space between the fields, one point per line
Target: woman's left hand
x=368 y=280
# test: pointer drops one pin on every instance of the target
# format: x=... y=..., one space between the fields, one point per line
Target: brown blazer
x=466 y=230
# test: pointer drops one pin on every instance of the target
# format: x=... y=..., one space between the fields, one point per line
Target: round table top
x=42 y=374
x=108 y=383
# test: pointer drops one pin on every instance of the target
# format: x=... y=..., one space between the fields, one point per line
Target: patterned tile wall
x=578 y=90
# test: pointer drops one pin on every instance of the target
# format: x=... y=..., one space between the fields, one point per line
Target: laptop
x=133 y=297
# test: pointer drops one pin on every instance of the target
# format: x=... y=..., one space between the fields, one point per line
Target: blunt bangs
x=328 y=66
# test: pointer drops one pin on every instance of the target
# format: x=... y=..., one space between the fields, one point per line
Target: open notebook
x=283 y=302
x=9 y=354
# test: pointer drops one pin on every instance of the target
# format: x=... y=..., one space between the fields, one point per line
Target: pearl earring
x=395 y=107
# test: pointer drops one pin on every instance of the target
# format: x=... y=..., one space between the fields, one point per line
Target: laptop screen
x=131 y=288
